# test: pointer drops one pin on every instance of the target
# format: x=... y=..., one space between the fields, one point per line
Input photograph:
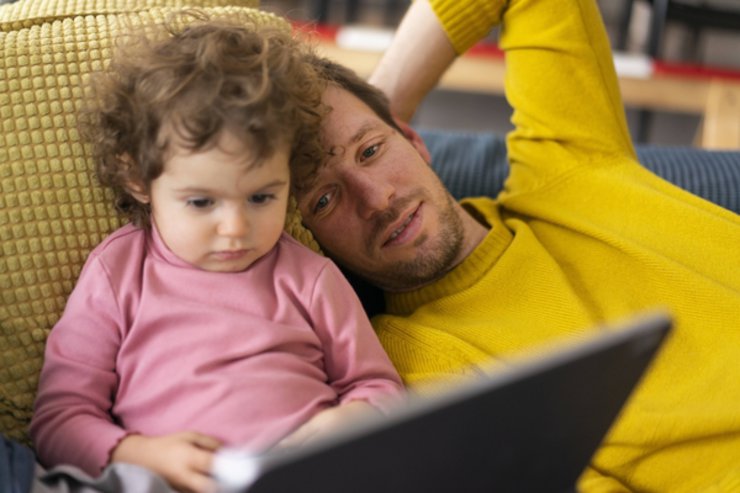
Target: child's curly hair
x=196 y=81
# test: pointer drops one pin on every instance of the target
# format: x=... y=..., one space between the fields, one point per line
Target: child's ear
x=137 y=191
x=134 y=186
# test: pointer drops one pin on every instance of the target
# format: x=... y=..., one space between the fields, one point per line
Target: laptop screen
x=531 y=427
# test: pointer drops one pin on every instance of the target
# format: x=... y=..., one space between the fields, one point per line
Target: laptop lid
x=530 y=427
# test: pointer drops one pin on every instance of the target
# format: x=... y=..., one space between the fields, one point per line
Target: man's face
x=377 y=207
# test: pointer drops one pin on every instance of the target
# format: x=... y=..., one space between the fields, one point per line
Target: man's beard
x=434 y=260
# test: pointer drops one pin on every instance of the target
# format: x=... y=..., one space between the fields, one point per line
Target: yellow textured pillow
x=52 y=212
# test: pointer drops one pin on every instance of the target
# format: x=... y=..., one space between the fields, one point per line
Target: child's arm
x=182 y=459
x=356 y=364
x=72 y=421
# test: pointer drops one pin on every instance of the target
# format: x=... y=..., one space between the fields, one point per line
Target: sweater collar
x=160 y=250
x=465 y=274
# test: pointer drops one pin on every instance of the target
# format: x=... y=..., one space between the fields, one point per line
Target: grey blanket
x=19 y=473
x=116 y=478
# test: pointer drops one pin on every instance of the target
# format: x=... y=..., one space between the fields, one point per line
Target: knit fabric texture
x=52 y=211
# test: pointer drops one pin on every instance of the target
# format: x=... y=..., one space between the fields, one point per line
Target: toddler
x=202 y=324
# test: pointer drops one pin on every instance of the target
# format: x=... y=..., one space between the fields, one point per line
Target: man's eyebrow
x=307 y=183
x=359 y=134
x=362 y=131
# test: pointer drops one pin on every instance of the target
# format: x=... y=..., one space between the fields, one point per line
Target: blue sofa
x=473 y=164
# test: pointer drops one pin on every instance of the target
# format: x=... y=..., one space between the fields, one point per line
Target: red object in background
x=695 y=70
x=329 y=32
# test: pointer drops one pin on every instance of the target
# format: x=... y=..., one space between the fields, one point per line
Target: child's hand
x=183 y=459
x=326 y=421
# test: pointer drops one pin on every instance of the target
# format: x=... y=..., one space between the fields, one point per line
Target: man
x=580 y=235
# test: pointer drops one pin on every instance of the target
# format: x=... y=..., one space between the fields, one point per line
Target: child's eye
x=261 y=198
x=200 y=203
x=369 y=152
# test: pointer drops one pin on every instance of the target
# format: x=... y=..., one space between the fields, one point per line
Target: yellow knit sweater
x=582 y=234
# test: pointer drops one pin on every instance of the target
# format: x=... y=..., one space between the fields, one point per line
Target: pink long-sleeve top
x=149 y=344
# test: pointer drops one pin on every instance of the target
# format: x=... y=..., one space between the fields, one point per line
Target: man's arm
x=560 y=77
x=561 y=82
x=417 y=58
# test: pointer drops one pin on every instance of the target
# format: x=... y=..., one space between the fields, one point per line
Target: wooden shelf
x=716 y=99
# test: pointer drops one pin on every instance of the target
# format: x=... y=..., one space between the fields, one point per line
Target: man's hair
x=193 y=82
x=347 y=79
x=333 y=73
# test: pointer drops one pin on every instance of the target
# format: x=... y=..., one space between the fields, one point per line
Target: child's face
x=216 y=211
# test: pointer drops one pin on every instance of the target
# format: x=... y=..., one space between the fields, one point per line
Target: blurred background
x=694 y=40
x=678 y=61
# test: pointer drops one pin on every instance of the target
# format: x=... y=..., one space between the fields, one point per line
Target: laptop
x=532 y=426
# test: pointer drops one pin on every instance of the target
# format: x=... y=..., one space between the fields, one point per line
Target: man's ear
x=415 y=139
x=134 y=187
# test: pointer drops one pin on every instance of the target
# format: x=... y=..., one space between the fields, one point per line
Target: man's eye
x=369 y=151
x=322 y=203
x=200 y=203
x=261 y=198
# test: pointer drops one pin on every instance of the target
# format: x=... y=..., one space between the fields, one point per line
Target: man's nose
x=233 y=222
x=372 y=193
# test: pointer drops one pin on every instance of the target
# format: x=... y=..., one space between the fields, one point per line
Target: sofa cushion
x=52 y=211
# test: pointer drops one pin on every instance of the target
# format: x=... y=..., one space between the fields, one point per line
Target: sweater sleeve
x=355 y=362
x=72 y=423
x=560 y=80
x=467 y=21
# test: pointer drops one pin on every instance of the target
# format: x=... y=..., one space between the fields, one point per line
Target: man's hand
x=326 y=421
x=182 y=459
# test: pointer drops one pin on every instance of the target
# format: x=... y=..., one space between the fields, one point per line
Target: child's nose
x=234 y=223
